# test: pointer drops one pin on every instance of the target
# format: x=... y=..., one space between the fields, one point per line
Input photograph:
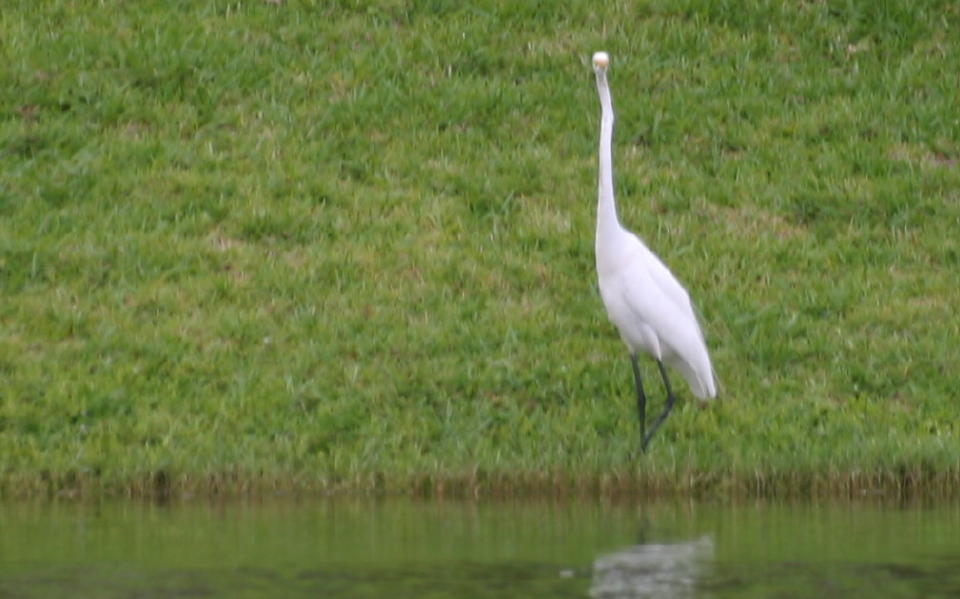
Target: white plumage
x=649 y=307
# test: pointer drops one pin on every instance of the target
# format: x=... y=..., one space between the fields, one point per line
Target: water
x=404 y=548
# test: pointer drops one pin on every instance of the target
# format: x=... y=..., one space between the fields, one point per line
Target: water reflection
x=413 y=549
x=651 y=570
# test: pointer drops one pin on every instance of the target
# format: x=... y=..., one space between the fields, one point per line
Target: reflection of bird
x=667 y=570
x=644 y=300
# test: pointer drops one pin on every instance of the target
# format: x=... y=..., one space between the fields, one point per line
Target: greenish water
x=404 y=548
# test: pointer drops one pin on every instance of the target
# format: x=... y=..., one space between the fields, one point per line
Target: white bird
x=649 y=307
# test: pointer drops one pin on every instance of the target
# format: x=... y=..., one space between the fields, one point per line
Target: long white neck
x=607 y=223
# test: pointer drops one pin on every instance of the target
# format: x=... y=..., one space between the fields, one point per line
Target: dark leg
x=641 y=398
x=666 y=410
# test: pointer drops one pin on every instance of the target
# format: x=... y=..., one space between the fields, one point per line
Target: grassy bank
x=313 y=246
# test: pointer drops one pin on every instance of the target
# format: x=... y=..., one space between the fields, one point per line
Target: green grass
x=312 y=245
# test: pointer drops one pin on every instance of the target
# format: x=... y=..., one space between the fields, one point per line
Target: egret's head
x=600 y=61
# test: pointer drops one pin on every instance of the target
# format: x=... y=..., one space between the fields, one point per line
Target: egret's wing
x=655 y=297
x=665 y=280
x=652 y=305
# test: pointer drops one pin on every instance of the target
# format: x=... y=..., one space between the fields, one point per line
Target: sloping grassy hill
x=317 y=245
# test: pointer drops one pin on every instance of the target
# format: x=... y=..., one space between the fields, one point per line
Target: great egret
x=649 y=307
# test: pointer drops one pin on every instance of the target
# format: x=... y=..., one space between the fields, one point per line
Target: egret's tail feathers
x=701 y=381
x=704 y=390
